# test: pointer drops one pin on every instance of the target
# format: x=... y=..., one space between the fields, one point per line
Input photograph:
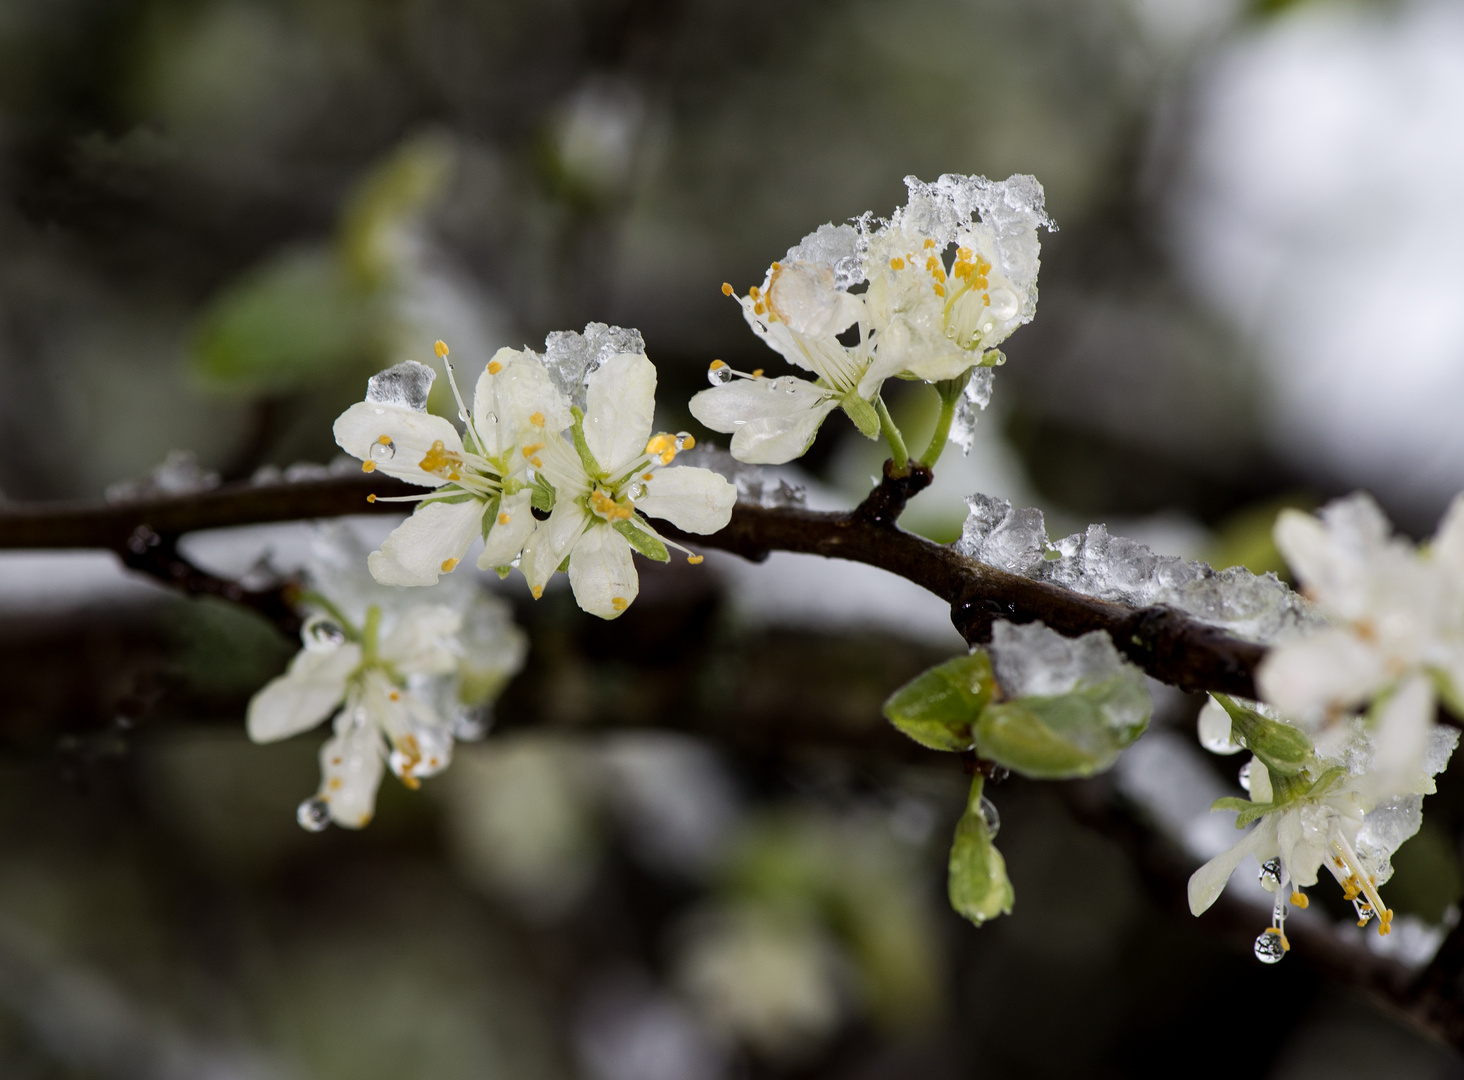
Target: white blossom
x=483 y=489
x=1397 y=634
x=611 y=473
x=926 y=313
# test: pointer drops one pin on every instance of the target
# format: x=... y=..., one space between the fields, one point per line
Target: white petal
x=1404 y=729
x=304 y=695
x=1448 y=542
x=695 y=500
x=350 y=772
x=1331 y=667
x=620 y=407
x=728 y=407
x=775 y=440
x=511 y=528
x=429 y=543
x=1206 y=883
x=411 y=433
x=512 y=392
x=602 y=572
x=552 y=541
x=420 y=642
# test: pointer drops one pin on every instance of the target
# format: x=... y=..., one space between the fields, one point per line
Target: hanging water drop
x=383 y=450
x=1270 y=876
x=1244 y=776
x=313 y=815
x=1364 y=911
x=321 y=633
x=1214 y=729
x=1269 y=947
x=991 y=817
x=719 y=374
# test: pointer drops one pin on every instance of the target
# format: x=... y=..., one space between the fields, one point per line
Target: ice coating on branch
x=1116 y=568
x=756 y=486
x=974 y=400
x=839 y=247
x=179 y=474
x=572 y=358
x=1032 y=661
x=406 y=385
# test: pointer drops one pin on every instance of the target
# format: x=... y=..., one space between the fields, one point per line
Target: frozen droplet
x=682 y=438
x=321 y=633
x=1244 y=776
x=719 y=375
x=1270 y=876
x=1004 y=303
x=572 y=358
x=383 y=451
x=1214 y=725
x=991 y=817
x=313 y=815
x=1269 y=949
x=406 y=385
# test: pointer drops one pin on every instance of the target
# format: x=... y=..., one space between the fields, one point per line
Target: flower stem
x=900 y=456
x=942 y=431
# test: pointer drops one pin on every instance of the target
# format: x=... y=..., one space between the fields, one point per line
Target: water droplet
x=1363 y=908
x=472 y=722
x=1214 y=729
x=313 y=815
x=635 y=491
x=321 y=633
x=998 y=773
x=1270 y=876
x=1244 y=776
x=720 y=376
x=682 y=438
x=1269 y=949
x=991 y=817
x=383 y=451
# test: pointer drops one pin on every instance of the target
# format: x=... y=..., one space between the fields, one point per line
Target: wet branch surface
x=1167 y=644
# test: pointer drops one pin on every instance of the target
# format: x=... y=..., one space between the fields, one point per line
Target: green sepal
x=950 y=390
x=648 y=545
x=1283 y=749
x=587 y=459
x=502 y=571
x=1246 y=811
x=862 y=413
x=938 y=707
x=992 y=358
x=1326 y=780
x=563 y=566
x=449 y=499
x=543 y=495
x=490 y=514
x=1079 y=733
x=977 y=881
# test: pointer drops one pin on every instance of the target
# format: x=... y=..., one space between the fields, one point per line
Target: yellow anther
x=537 y=419
x=532 y=449
x=688 y=442
x=929 y=243
x=536 y=463
x=964 y=254
x=757 y=373
x=726 y=288
x=754 y=292
x=440 y=348
x=662 y=446
x=371 y=498
x=759 y=309
x=695 y=559
x=494 y=367
x=716 y=365
x=384 y=440
x=1299 y=899
x=394 y=696
x=448 y=565
x=939 y=289
x=410 y=781
x=897 y=263
x=335 y=783
x=648 y=476
x=932 y=264
x=777 y=266
x=440 y=459
x=504 y=519
x=619 y=603
x=368 y=466
x=537 y=591
x=1385 y=923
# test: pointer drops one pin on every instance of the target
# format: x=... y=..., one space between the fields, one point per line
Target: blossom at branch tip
x=927 y=312
x=610 y=473
x=402 y=680
x=1397 y=640
x=482 y=489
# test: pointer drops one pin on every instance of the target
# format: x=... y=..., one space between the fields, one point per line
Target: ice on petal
x=837 y=247
x=1357 y=523
x=974 y=399
x=572 y=358
x=406 y=385
x=1383 y=831
x=1442 y=742
x=1031 y=660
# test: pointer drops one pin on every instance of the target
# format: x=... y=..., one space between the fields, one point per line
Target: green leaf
x=391 y=198
x=862 y=413
x=978 y=885
x=543 y=494
x=938 y=707
x=1283 y=749
x=587 y=459
x=490 y=514
x=648 y=545
x=1079 y=733
x=1246 y=811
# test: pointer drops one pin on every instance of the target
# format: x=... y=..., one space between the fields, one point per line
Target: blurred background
x=690 y=850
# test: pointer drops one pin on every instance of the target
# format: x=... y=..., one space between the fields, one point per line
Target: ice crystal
x=974 y=399
x=838 y=247
x=405 y=385
x=179 y=474
x=1123 y=570
x=1032 y=660
x=756 y=485
x=572 y=358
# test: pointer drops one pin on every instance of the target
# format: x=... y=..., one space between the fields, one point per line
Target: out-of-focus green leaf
x=290 y=322
x=938 y=707
x=978 y=884
x=386 y=204
x=1244 y=538
x=1067 y=735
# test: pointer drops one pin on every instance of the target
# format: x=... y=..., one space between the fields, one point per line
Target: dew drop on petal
x=1244 y=776
x=991 y=817
x=1270 y=876
x=636 y=490
x=322 y=634
x=1269 y=949
x=383 y=451
x=313 y=815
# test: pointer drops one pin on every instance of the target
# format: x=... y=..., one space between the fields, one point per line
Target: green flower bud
x=1283 y=749
x=978 y=885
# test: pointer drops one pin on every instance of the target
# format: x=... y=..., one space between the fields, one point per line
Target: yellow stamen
x=758 y=309
x=716 y=365
x=441 y=460
x=897 y=263
x=537 y=591
x=440 y=348
x=368 y=466
x=619 y=603
x=394 y=696
x=449 y=564
x=537 y=419
x=929 y=243
x=757 y=373
x=504 y=519
x=726 y=288
x=494 y=367
x=695 y=560
x=662 y=446
x=532 y=449
x=939 y=290
x=1299 y=899
x=648 y=476
x=689 y=443
x=384 y=440
x=371 y=498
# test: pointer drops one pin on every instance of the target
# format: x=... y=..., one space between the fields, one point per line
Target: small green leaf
x=543 y=494
x=1283 y=749
x=938 y=707
x=648 y=545
x=587 y=459
x=1246 y=811
x=490 y=515
x=502 y=571
x=1079 y=733
x=862 y=413
x=978 y=885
